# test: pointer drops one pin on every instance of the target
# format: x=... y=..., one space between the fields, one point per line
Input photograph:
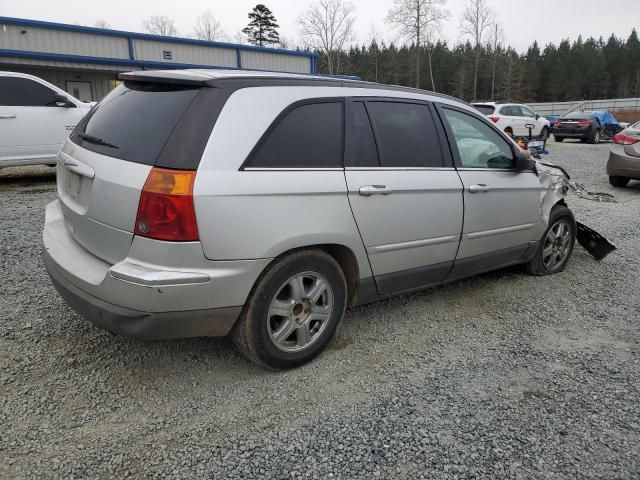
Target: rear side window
x=308 y=136
x=512 y=111
x=406 y=134
x=135 y=120
x=22 y=92
x=485 y=109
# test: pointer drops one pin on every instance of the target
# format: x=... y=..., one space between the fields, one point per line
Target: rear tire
x=595 y=137
x=617 y=181
x=283 y=325
x=556 y=245
x=557 y=138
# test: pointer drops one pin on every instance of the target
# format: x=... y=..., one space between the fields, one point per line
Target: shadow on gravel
x=27 y=175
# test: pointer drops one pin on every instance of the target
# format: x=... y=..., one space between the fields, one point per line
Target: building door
x=80 y=90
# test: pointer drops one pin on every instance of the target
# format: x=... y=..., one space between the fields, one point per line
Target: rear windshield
x=135 y=120
x=577 y=116
x=486 y=109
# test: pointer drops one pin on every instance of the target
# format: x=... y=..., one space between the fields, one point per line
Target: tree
x=207 y=27
x=326 y=26
x=262 y=28
x=417 y=21
x=477 y=18
x=102 y=24
x=160 y=25
x=496 y=38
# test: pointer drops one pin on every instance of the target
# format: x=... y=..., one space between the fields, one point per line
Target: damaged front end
x=556 y=185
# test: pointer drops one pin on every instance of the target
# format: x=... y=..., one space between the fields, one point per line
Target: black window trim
x=246 y=164
x=452 y=143
x=442 y=141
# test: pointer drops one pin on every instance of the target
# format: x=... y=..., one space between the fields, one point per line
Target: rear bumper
x=144 y=325
x=621 y=164
x=572 y=134
x=161 y=290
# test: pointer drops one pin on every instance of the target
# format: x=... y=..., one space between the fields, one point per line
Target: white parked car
x=514 y=118
x=36 y=117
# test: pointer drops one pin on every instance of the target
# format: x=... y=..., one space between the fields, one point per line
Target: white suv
x=35 y=119
x=514 y=118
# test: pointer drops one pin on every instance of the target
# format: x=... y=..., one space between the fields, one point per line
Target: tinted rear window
x=136 y=119
x=577 y=116
x=309 y=136
x=486 y=109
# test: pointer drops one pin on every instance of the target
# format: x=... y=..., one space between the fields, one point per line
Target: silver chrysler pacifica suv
x=204 y=203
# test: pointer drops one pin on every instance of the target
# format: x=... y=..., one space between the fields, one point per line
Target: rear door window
x=364 y=143
x=135 y=120
x=406 y=133
x=23 y=92
x=306 y=136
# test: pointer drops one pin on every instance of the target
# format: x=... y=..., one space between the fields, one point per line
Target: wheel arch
x=342 y=254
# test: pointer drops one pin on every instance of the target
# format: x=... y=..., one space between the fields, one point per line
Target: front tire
x=617 y=181
x=544 y=134
x=557 y=138
x=557 y=243
x=293 y=311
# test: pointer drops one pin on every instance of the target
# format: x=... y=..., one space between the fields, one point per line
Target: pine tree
x=262 y=28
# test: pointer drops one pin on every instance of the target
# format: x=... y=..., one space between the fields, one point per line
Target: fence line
x=558 y=108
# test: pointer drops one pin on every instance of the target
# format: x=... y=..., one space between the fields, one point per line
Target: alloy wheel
x=300 y=311
x=557 y=245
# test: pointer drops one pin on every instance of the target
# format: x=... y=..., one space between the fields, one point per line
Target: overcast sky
x=522 y=21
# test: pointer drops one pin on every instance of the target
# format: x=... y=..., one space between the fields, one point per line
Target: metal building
x=85 y=61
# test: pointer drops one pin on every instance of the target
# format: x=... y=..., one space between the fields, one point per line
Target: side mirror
x=537 y=116
x=524 y=162
x=63 y=101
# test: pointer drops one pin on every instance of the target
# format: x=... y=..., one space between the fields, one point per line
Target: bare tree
x=417 y=21
x=326 y=26
x=160 y=25
x=207 y=27
x=497 y=37
x=477 y=18
x=102 y=24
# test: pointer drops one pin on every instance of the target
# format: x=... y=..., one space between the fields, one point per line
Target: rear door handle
x=480 y=187
x=369 y=190
x=7 y=117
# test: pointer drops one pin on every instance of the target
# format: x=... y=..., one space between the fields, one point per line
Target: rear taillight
x=494 y=119
x=621 y=139
x=557 y=124
x=166 y=209
x=584 y=123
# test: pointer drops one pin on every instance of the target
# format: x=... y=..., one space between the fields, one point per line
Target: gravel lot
x=500 y=376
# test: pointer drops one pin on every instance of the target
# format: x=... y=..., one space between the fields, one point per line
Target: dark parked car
x=581 y=125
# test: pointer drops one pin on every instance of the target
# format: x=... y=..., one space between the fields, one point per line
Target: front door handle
x=7 y=117
x=480 y=187
x=369 y=190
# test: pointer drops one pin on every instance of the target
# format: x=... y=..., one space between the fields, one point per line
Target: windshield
x=134 y=121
